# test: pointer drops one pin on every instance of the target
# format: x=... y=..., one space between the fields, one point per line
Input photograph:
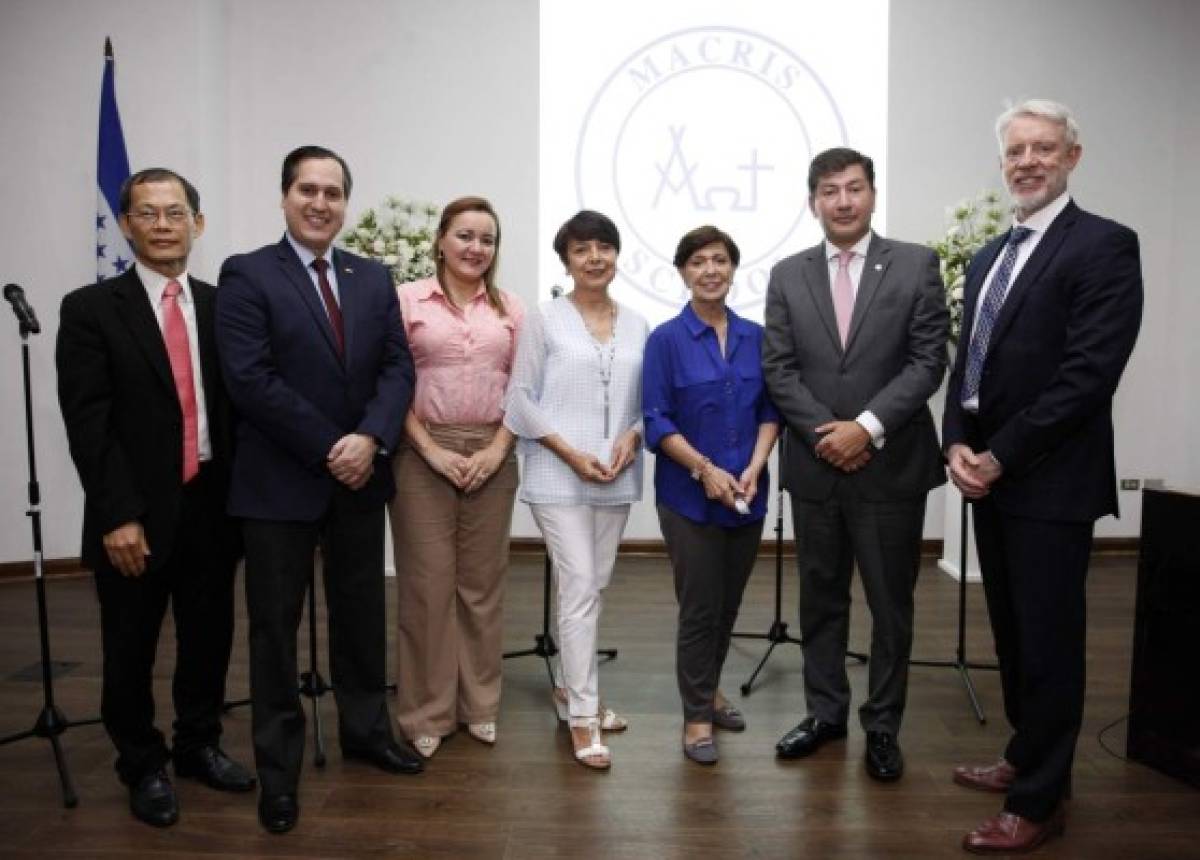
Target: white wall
x=438 y=98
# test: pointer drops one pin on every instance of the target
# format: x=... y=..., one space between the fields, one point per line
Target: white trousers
x=583 y=541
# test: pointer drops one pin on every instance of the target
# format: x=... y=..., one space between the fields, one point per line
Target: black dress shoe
x=211 y=766
x=278 y=813
x=152 y=800
x=807 y=737
x=884 y=760
x=394 y=758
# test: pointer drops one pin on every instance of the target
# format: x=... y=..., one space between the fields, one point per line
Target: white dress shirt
x=156 y=284
x=1039 y=222
x=306 y=258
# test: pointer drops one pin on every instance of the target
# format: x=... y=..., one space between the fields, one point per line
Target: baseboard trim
x=524 y=546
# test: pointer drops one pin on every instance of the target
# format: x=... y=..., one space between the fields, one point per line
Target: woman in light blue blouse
x=708 y=418
x=574 y=399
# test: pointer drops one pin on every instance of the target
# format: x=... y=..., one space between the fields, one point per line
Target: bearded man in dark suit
x=1051 y=315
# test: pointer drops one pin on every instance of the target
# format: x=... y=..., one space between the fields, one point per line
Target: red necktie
x=843 y=295
x=176 y=336
x=331 y=305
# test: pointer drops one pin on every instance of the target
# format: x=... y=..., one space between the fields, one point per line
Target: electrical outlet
x=1130 y=484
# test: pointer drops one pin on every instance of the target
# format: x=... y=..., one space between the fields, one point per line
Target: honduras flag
x=113 y=254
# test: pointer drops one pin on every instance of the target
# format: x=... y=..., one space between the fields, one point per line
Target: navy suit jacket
x=124 y=423
x=295 y=397
x=1055 y=356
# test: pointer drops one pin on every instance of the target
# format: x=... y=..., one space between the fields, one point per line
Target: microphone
x=555 y=292
x=25 y=315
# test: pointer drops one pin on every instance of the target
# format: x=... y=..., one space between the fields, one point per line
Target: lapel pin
x=348 y=270
x=879 y=267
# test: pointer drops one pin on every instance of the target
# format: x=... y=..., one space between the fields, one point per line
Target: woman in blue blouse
x=708 y=418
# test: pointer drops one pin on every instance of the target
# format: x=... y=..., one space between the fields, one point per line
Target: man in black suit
x=149 y=430
x=318 y=367
x=1052 y=310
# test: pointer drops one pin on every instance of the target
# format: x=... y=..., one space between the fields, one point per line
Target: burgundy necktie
x=180 y=355
x=843 y=295
x=331 y=304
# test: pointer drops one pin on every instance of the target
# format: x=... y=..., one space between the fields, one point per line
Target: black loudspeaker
x=1164 y=698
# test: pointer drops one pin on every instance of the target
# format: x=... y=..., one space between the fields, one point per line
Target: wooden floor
x=526 y=798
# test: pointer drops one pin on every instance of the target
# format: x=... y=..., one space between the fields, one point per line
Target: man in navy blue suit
x=1051 y=316
x=318 y=369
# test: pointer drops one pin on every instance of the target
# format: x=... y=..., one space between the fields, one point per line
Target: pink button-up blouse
x=463 y=357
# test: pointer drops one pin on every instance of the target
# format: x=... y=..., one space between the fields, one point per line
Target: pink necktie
x=843 y=295
x=176 y=336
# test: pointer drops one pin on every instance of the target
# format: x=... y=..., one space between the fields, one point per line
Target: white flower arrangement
x=973 y=223
x=399 y=235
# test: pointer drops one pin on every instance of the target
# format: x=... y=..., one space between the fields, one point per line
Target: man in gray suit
x=855 y=344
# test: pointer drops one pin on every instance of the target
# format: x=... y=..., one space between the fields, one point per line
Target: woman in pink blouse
x=456 y=477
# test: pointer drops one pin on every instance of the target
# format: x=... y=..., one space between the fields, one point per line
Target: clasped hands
x=466 y=472
x=721 y=486
x=351 y=460
x=845 y=445
x=591 y=468
x=972 y=473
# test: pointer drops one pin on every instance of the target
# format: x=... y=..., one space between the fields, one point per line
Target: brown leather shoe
x=989 y=777
x=1011 y=834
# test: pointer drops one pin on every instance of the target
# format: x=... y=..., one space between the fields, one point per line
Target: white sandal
x=610 y=720
x=595 y=755
x=426 y=745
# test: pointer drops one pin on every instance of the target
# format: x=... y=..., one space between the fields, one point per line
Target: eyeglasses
x=175 y=216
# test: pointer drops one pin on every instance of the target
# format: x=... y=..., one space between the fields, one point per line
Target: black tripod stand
x=543 y=643
x=50 y=722
x=778 y=631
x=960 y=661
x=312 y=684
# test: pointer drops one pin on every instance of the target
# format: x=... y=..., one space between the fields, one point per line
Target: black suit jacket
x=1055 y=356
x=122 y=414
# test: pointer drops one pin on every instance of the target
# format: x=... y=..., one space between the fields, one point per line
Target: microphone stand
x=544 y=645
x=50 y=722
x=778 y=631
x=960 y=662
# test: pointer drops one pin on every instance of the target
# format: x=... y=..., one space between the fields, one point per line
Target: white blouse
x=557 y=387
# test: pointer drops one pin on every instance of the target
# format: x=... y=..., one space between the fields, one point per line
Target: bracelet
x=700 y=468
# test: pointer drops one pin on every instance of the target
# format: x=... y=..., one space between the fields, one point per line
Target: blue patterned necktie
x=988 y=312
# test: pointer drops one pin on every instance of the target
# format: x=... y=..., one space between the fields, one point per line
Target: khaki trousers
x=451 y=557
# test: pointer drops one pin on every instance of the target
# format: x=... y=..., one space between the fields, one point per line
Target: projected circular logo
x=709 y=125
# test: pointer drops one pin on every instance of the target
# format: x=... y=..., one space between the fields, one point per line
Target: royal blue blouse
x=716 y=402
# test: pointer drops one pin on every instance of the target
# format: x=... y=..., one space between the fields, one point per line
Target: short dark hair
x=835 y=161
x=584 y=226
x=291 y=165
x=694 y=240
x=156 y=174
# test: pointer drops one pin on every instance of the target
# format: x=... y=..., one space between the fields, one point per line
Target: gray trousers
x=712 y=565
x=884 y=538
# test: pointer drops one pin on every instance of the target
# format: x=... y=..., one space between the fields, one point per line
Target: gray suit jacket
x=893 y=362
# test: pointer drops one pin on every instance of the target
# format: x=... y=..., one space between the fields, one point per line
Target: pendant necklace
x=605 y=356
